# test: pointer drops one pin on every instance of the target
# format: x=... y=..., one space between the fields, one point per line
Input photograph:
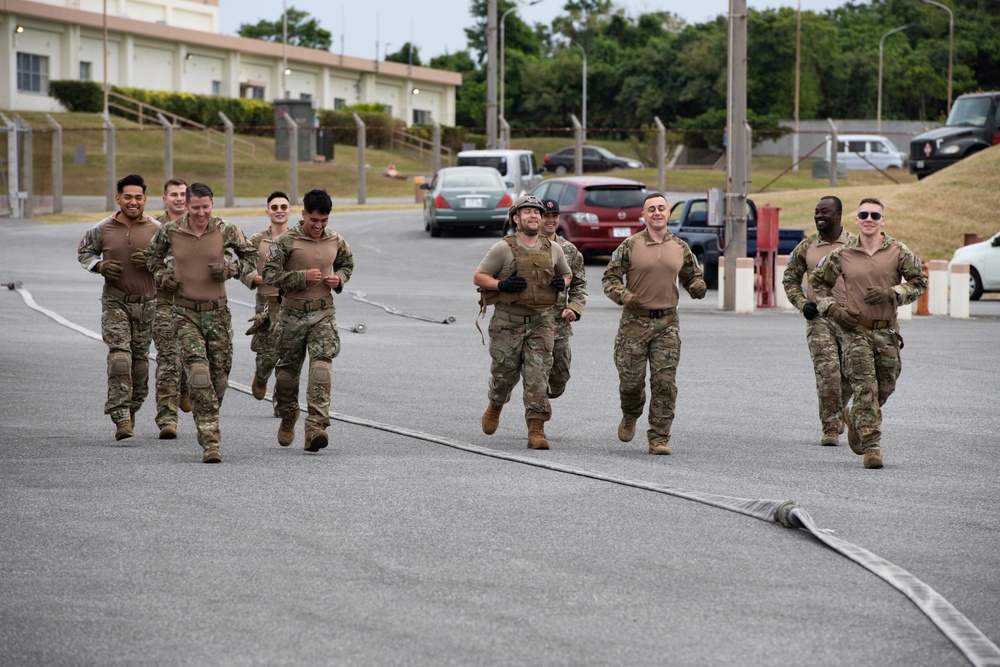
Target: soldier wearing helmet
x=521 y=277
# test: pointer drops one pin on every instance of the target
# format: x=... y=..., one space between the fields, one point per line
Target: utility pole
x=737 y=152
x=491 y=74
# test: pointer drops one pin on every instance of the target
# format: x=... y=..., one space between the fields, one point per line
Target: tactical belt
x=272 y=299
x=876 y=324
x=517 y=319
x=309 y=306
x=652 y=314
x=199 y=306
x=127 y=298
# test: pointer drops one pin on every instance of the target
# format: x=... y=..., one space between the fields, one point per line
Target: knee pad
x=285 y=380
x=141 y=368
x=200 y=377
x=319 y=372
x=120 y=364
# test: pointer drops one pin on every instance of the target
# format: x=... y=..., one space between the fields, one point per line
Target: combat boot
x=536 y=434
x=184 y=403
x=286 y=432
x=873 y=457
x=315 y=440
x=168 y=432
x=659 y=447
x=124 y=429
x=258 y=388
x=491 y=418
x=853 y=437
x=211 y=455
x=626 y=429
x=830 y=439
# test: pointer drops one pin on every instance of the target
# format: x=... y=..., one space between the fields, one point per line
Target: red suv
x=596 y=213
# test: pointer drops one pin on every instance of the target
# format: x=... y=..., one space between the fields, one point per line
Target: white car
x=866 y=151
x=984 y=266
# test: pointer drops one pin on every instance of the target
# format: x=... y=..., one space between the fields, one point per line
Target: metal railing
x=423 y=148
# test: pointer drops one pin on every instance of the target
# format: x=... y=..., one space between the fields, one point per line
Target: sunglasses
x=863 y=215
x=284 y=207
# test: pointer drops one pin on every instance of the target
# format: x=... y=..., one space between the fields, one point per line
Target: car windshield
x=471 y=180
x=969 y=112
x=603 y=151
x=618 y=197
x=498 y=163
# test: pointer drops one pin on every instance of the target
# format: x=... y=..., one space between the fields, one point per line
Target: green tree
x=302 y=31
x=403 y=55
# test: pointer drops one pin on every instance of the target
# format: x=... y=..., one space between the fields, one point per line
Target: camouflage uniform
x=265 y=343
x=575 y=298
x=648 y=336
x=170 y=376
x=522 y=336
x=202 y=326
x=127 y=310
x=307 y=321
x=871 y=351
x=823 y=335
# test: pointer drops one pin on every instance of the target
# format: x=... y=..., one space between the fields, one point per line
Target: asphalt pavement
x=414 y=539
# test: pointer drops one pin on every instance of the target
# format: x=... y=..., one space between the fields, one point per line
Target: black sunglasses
x=863 y=215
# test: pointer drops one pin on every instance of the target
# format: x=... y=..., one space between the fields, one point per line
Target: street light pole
x=284 y=50
x=583 y=119
x=881 y=42
x=951 y=41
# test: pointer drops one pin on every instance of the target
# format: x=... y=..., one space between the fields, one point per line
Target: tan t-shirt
x=499 y=263
x=308 y=253
x=192 y=256
x=861 y=271
x=816 y=252
x=652 y=273
x=119 y=242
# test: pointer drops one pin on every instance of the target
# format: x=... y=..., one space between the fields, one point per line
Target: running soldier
x=521 y=277
x=642 y=277
x=873 y=266
x=307 y=262
x=197 y=244
x=171 y=389
x=114 y=248
x=264 y=328
x=822 y=333
x=570 y=306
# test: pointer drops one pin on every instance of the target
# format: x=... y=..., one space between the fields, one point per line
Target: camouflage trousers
x=170 y=375
x=832 y=387
x=522 y=351
x=127 y=328
x=205 y=340
x=562 y=355
x=265 y=343
x=872 y=365
x=642 y=340
x=314 y=333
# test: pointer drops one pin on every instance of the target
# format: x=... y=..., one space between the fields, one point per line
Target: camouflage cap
x=528 y=201
x=551 y=205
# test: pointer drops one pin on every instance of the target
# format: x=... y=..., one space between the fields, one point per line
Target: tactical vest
x=535 y=266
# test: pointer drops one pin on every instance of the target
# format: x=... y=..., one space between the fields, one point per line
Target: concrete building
x=172 y=45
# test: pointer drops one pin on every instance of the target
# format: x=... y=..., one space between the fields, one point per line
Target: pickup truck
x=973 y=125
x=688 y=221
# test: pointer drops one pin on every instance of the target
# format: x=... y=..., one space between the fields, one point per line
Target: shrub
x=78 y=95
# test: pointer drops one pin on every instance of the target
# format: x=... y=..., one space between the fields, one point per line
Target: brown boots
x=168 y=432
x=315 y=440
x=258 y=388
x=626 y=429
x=286 y=432
x=211 y=455
x=491 y=418
x=536 y=434
x=873 y=457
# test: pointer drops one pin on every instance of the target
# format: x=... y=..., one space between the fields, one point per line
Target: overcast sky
x=437 y=26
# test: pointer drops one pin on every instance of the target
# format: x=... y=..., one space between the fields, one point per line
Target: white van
x=866 y=151
x=518 y=167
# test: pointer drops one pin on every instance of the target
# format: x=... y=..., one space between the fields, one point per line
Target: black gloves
x=810 y=311
x=559 y=282
x=513 y=284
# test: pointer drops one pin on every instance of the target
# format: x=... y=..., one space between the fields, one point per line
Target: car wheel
x=509 y=228
x=710 y=277
x=560 y=170
x=975 y=285
x=427 y=223
x=435 y=229
x=616 y=168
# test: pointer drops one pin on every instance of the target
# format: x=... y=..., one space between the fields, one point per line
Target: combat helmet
x=527 y=201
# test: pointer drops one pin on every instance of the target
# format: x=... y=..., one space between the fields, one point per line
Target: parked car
x=517 y=167
x=595 y=158
x=466 y=198
x=867 y=151
x=596 y=213
x=973 y=125
x=984 y=266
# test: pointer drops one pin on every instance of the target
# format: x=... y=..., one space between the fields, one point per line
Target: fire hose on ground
x=967 y=638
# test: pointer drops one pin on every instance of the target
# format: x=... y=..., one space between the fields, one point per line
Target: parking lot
x=416 y=539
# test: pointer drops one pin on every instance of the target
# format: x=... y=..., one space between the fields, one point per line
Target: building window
x=387 y=109
x=216 y=87
x=32 y=73
x=252 y=92
x=339 y=103
x=421 y=117
x=85 y=70
x=305 y=97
